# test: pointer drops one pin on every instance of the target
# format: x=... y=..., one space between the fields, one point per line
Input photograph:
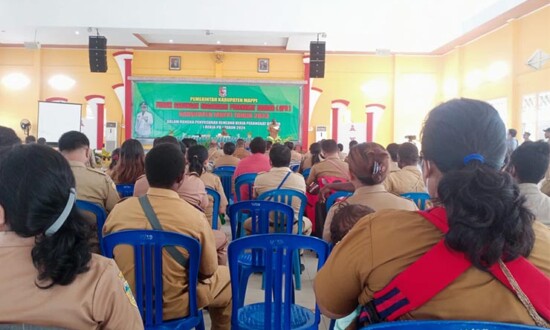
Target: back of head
x=466 y=140
x=8 y=137
x=41 y=141
x=73 y=140
x=196 y=156
x=164 y=165
x=315 y=151
x=240 y=143
x=38 y=201
x=268 y=145
x=257 y=145
x=340 y=147
x=408 y=154
x=352 y=144
x=369 y=163
x=530 y=161
x=392 y=149
x=289 y=145
x=165 y=139
x=189 y=142
x=30 y=139
x=279 y=156
x=131 y=162
x=513 y=132
x=329 y=147
x=115 y=156
x=229 y=148
x=345 y=217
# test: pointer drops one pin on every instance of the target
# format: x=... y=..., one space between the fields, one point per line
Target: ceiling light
x=171 y=41
x=77 y=32
x=16 y=81
x=61 y=82
x=218 y=42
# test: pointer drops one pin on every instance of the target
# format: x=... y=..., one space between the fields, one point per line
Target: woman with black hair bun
x=468 y=258
x=49 y=276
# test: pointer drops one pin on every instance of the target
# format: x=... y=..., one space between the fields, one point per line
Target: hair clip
x=471 y=157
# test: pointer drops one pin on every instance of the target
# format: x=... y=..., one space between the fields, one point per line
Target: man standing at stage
x=274 y=128
x=144 y=121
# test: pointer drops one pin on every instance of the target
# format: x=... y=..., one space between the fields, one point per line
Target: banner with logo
x=215 y=110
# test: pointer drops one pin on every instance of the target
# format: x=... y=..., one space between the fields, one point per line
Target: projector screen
x=55 y=118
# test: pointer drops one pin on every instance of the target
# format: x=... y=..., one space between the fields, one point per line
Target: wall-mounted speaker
x=98 y=53
x=317 y=59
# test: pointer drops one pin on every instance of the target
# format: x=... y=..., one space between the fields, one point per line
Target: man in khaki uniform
x=240 y=151
x=295 y=156
x=331 y=166
x=393 y=149
x=164 y=167
x=279 y=156
x=409 y=177
x=214 y=151
x=91 y=185
x=227 y=159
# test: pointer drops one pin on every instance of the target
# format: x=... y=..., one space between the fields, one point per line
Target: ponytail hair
x=196 y=156
x=369 y=163
x=465 y=139
x=34 y=195
x=315 y=151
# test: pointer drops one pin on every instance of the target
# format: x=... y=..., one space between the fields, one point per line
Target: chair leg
x=243 y=280
x=296 y=269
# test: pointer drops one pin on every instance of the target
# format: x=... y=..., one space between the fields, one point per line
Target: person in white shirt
x=528 y=164
x=144 y=121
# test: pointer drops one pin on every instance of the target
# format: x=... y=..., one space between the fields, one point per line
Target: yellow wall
x=414 y=83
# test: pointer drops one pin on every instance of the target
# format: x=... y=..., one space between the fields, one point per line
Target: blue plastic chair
x=226 y=177
x=125 y=189
x=244 y=179
x=226 y=168
x=336 y=195
x=100 y=217
x=451 y=325
x=278 y=311
x=286 y=196
x=305 y=172
x=419 y=198
x=148 y=246
x=259 y=213
x=294 y=167
x=216 y=207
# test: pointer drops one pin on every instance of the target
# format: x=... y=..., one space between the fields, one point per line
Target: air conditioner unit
x=111 y=136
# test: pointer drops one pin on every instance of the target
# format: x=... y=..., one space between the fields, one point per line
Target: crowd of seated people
x=487 y=212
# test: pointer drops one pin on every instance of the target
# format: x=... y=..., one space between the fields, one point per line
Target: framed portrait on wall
x=174 y=63
x=263 y=65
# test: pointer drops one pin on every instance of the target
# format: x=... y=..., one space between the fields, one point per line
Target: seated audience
x=131 y=163
x=8 y=138
x=255 y=163
x=341 y=152
x=345 y=217
x=30 y=139
x=240 y=151
x=281 y=177
x=369 y=164
x=192 y=188
x=393 y=149
x=351 y=144
x=214 y=151
x=268 y=145
x=331 y=166
x=49 y=276
x=91 y=185
x=227 y=159
x=528 y=164
x=295 y=156
x=115 y=156
x=165 y=167
x=511 y=141
x=409 y=177
x=527 y=137
x=197 y=156
x=480 y=227
x=41 y=141
x=188 y=142
x=312 y=157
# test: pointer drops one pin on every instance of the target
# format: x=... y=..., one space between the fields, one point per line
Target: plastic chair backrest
x=450 y=325
x=216 y=207
x=286 y=196
x=100 y=217
x=305 y=172
x=226 y=168
x=259 y=212
x=148 y=246
x=125 y=189
x=333 y=197
x=244 y=179
x=278 y=251
x=294 y=167
x=226 y=177
x=419 y=198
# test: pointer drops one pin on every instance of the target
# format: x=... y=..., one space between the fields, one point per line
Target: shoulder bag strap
x=154 y=221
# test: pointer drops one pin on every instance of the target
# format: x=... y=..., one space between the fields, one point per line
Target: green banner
x=221 y=111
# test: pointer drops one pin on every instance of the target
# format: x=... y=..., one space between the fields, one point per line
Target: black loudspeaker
x=317 y=59
x=98 y=53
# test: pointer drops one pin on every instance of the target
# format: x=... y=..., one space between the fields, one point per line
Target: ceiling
x=401 y=26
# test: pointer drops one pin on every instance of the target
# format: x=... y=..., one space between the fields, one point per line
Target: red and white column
x=374 y=112
x=336 y=106
x=97 y=105
x=124 y=63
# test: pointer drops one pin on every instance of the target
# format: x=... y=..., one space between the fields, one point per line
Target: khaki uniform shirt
x=214 y=153
x=226 y=160
x=407 y=179
x=94 y=186
x=394 y=167
x=213 y=181
x=295 y=156
x=383 y=244
x=536 y=202
x=175 y=215
x=191 y=189
x=376 y=197
x=332 y=166
x=241 y=153
x=97 y=299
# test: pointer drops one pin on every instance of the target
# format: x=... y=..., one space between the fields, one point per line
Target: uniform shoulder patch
x=127 y=289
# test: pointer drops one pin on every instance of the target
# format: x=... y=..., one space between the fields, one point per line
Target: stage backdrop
x=201 y=110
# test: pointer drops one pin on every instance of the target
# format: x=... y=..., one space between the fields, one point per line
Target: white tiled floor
x=304 y=297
